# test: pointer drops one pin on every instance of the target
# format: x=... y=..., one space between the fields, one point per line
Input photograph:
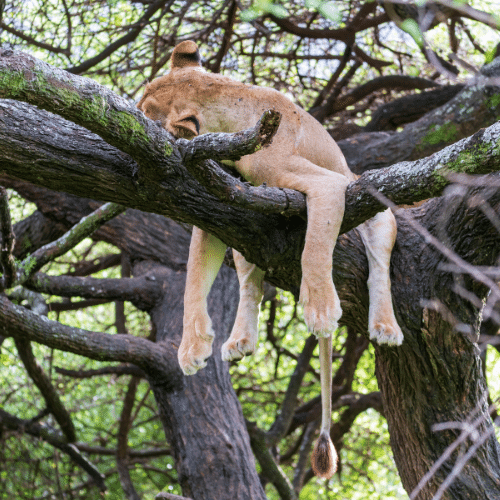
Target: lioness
x=302 y=156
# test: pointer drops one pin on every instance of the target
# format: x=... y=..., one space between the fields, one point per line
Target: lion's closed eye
x=194 y=121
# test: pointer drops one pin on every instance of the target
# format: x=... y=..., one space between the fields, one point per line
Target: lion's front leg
x=206 y=254
x=325 y=191
x=325 y=209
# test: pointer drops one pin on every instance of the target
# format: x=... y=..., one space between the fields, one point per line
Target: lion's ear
x=186 y=127
x=185 y=54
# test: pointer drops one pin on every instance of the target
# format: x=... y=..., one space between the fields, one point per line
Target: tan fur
x=188 y=101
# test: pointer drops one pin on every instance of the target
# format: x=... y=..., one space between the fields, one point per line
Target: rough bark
x=433 y=378
x=203 y=419
x=436 y=375
x=476 y=106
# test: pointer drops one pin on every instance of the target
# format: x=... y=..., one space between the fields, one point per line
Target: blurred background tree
x=391 y=81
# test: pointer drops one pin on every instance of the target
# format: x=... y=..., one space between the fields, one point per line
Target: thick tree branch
x=156 y=359
x=141 y=291
x=87 y=103
x=179 y=196
x=476 y=106
x=393 y=82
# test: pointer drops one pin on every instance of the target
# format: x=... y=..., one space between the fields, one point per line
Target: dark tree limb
x=179 y=202
x=87 y=103
x=122 y=455
x=49 y=393
x=410 y=108
x=471 y=109
x=270 y=469
x=8 y=241
x=85 y=267
x=34 y=232
x=393 y=82
x=282 y=423
x=159 y=359
x=141 y=291
x=52 y=437
x=107 y=370
x=344 y=34
x=49 y=252
x=67 y=305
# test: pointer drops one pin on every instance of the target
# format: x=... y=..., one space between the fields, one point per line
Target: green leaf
x=412 y=28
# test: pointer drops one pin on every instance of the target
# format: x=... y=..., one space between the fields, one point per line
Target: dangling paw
x=322 y=309
x=237 y=347
x=196 y=344
x=387 y=332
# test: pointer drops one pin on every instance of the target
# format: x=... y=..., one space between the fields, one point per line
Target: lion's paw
x=236 y=348
x=322 y=309
x=196 y=345
x=386 y=333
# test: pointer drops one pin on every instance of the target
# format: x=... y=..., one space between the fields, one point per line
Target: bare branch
x=8 y=242
x=46 y=388
x=282 y=423
x=143 y=291
x=128 y=38
x=156 y=359
x=122 y=444
x=77 y=233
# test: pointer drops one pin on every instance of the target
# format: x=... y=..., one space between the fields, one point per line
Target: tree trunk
x=436 y=376
x=203 y=419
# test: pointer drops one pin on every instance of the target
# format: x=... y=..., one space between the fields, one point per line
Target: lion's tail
x=324 y=457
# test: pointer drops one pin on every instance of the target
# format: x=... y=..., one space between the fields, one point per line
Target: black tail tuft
x=324 y=457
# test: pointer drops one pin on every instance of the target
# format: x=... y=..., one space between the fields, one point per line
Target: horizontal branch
x=117 y=371
x=156 y=359
x=87 y=103
x=142 y=291
x=104 y=173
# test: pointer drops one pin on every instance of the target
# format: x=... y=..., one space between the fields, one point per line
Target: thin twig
x=77 y=233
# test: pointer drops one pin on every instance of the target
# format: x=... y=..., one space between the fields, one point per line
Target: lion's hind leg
x=378 y=235
x=244 y=335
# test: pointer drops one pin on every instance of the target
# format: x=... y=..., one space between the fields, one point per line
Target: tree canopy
x=92 y=399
